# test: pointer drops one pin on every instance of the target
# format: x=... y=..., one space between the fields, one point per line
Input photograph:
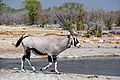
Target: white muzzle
x=78 y=45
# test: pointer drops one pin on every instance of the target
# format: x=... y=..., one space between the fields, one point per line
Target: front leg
x=46 y=67
x=55 y=63
x=50 y=60
x=56 y=70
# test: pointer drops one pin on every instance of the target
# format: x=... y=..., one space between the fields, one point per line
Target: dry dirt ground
x=91 y=47
x=17 y=75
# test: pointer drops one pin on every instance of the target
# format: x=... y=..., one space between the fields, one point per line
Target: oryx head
x=72 y=38
x=74 y=41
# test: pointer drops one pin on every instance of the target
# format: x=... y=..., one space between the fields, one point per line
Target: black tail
x=19 y=41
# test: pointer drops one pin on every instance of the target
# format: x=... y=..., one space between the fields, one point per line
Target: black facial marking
x=68 y=36
x=75 y=41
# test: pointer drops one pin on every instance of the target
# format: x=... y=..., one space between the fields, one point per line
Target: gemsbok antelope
x=50 y=45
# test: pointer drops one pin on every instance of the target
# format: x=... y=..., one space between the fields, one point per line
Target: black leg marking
x=50 y=59
x=28 y=53
x=23 y=58
x=54 y=58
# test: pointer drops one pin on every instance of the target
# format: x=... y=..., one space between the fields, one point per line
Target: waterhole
x=109 y=66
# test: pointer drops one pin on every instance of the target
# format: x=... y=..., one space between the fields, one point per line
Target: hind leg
x=22 y=63
x=28 y=51
x=27 y=56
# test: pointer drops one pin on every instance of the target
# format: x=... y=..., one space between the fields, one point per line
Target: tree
x=7 y=14
x=33 y=7
x=73 y=13
x=2 y=5
x=108 y=24
x=118 y=22
x=5 y=8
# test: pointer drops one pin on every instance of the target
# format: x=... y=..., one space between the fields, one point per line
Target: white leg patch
x=56 y=68
x=33 y=68
x=47 y=66
x=22 y=66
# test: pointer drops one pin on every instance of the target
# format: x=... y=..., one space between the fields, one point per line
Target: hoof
x=41 y=69
x=23 y=70
x=52 y=70
x=55 y=72
x=58 y=73
x=34 y=71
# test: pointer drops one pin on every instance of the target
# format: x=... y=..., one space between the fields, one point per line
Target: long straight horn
x=64 y=24
x=72 y=32
x=63 y=19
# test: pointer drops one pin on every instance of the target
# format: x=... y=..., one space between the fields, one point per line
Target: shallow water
x=109 y=66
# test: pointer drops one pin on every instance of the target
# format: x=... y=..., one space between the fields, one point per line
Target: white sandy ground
x=18 y=75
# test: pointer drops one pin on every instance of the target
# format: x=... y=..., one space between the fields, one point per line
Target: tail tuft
x=19 y=41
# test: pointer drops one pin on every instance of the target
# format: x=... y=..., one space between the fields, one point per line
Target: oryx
x=50 y=44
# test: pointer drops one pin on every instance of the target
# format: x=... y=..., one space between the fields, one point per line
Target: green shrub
x=98 y=34
x=33 y=7
x=118 y=22
x=80 y=25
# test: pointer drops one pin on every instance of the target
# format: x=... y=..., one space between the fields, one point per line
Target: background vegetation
x=74 y=14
